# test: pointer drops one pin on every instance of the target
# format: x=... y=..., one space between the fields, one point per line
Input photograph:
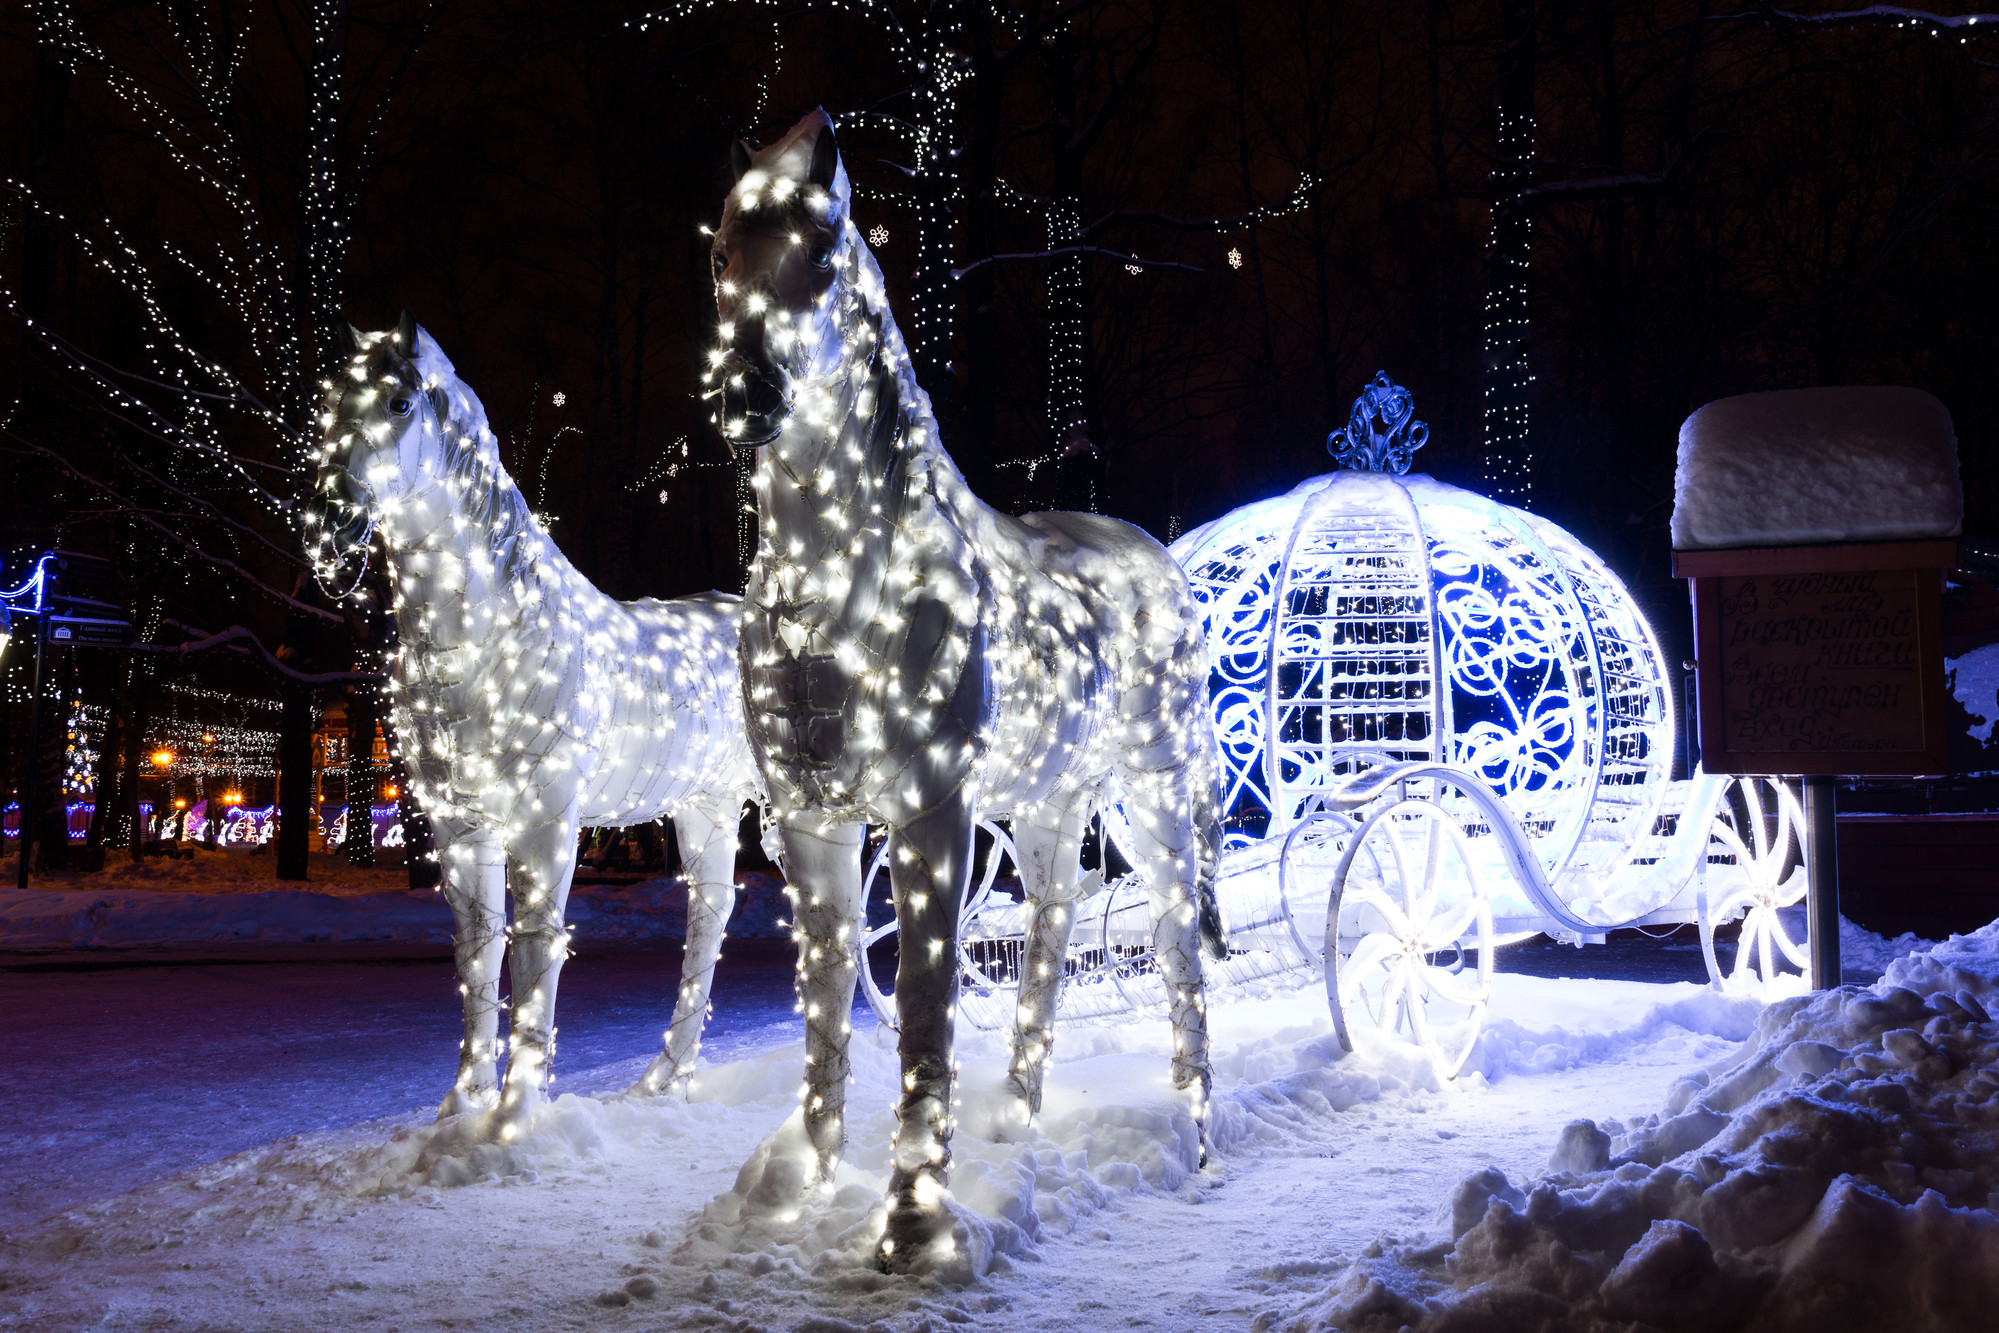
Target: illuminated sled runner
x=1443 y=726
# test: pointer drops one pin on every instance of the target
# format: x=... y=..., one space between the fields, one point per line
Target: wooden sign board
x=1821 y=659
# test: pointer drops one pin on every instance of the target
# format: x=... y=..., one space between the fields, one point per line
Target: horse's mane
x=485 y=495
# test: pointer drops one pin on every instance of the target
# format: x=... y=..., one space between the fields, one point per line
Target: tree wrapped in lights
x=529 y=702
x=912 y=658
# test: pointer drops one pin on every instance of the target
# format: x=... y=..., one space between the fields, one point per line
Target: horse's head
x=381 y=410
x=778 y=254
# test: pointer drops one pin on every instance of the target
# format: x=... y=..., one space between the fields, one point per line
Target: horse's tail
x=1201 y=776
x=1208 y=833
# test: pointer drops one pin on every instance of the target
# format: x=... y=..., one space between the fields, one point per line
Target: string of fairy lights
x=1508 y=452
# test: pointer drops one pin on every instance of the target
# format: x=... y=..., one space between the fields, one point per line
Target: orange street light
x=162 y=758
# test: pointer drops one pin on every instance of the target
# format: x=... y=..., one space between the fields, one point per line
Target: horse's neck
x=804 y=556
x=477 y=553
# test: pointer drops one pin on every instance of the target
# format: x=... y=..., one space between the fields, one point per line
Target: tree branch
x=1060 y=251
x=236 y=635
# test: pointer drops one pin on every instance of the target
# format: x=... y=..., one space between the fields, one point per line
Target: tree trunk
x=52 y=838
x=360 y=843
x=978 y=186
x=295 y=783
x=104 y=778
x=135 y=749
x=1508 y=449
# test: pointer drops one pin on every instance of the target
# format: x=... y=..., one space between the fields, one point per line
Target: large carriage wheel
x=1407 y=906
x=989 y=966
x=1755 y=865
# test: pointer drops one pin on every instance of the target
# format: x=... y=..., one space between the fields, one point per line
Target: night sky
x=1718 y=207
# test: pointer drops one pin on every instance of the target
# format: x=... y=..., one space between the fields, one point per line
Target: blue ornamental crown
x=1382 y=431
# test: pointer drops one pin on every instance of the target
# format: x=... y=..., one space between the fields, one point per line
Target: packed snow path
x=122 y=1074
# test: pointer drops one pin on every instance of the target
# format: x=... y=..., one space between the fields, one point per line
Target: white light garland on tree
x=913 y=658
x=528 y=704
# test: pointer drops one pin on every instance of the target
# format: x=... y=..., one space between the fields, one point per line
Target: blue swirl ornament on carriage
x=1443 y=725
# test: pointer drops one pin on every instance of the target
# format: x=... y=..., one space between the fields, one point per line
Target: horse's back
x=688 y=694
x=1114 y=561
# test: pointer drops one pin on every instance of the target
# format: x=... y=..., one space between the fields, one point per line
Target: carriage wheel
x=1407 y=903
x=988 y=968
x=1755 y=865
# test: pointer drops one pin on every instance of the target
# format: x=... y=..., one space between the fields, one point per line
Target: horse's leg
x=930 y=859
x=544 y=858
x=1049 y=841
x=708 y=846
x=1163 y=769
x=475 y=884
x=823 y=864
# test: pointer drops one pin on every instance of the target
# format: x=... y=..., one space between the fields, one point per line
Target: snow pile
x=199 y=869
x=1865 y=953
x=1974 y=680
x=221 y=913
x=1817 y=465
x=1841 y=1172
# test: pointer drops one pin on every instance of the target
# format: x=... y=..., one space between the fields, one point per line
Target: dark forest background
x=1721 y=199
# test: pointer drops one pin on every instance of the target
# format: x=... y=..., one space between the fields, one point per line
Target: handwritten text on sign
x=1821 y=662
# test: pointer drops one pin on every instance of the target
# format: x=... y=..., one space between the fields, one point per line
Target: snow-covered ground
x=223 y=902
x=1335 y=1187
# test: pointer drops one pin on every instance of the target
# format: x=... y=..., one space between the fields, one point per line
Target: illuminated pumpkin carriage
x=1443 y=725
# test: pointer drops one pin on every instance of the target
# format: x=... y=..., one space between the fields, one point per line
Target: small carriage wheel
x=978 y=896
x=1755 y=850
x=1407 y=890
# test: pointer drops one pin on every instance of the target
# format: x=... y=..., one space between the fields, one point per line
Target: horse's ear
x=347 y=340
x=406 y=333
x=825 y=158
x=739 y=158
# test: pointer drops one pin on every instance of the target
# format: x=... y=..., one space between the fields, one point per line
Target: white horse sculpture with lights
x=528 y=703
x=912 y=658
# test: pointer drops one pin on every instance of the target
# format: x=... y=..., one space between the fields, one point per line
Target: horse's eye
x=720 y=261
x=400 y=405
x=820 y=255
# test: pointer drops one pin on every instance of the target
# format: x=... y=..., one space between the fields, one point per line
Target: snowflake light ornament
x=526 y=702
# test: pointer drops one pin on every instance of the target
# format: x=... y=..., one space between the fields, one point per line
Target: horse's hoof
x=662 y=1080
x=910 y=1247
x=915 y=1230
x=466 y=1101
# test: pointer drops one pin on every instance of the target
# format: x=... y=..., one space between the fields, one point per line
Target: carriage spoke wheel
x=983 y=968
x=1755 y=865
x=1408 y=911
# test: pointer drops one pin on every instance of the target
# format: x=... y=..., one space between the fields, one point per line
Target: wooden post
x=1822 y=886
x=28 y=812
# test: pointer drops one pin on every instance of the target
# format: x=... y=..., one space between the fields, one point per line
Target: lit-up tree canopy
x=528 y=703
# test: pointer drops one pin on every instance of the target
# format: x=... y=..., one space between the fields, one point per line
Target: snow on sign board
x=1807 y=466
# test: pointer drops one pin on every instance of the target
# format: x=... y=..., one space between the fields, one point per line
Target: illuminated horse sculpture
x=528 y=703
x=910 y=657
